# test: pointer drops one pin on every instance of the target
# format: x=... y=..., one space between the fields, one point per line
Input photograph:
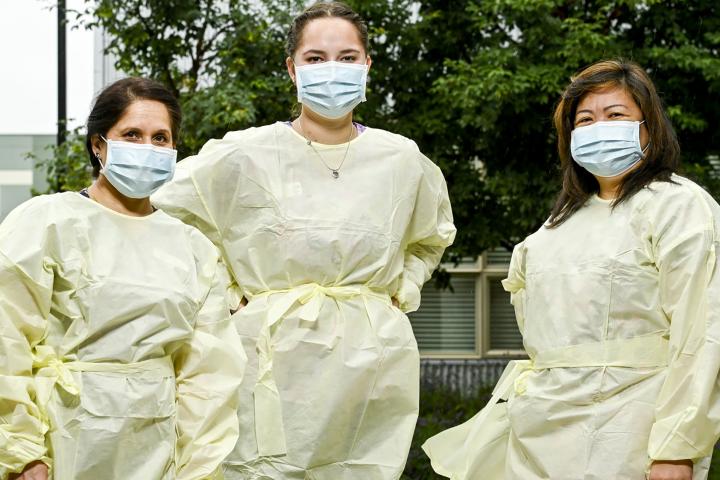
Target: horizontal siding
x=504 y=332
x=446 y=319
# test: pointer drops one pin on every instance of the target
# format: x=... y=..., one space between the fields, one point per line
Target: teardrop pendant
x=335 y=174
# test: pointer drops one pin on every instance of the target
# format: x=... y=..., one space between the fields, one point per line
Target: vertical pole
x=62 y=74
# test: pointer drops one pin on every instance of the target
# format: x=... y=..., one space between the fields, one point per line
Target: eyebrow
x=155 y=132
x=322 y=52
x=604 y=109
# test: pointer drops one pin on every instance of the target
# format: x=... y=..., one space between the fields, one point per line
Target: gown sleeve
x=201 y=194
x=515 y=283
x=687 y=410
x=209 y=369
x=26 y=280
x=430 y=232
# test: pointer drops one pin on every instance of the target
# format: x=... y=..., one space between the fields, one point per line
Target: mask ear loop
x=643 y=150
x=97 y=154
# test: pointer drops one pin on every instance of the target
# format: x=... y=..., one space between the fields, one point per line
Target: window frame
x=484 y=273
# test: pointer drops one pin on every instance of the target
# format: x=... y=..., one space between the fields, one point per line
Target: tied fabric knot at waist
x=452 y=451
x=648 y=351
x=269 y=430
x=51 y=370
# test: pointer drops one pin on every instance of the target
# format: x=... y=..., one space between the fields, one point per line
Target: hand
x=241 y=305
x=671 y=470
x=33 y=471
x=395 y=302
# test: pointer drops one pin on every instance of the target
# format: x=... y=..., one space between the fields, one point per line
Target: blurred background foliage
x=473 y=82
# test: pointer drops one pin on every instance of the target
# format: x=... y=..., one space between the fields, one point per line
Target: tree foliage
x=472 y=82
x=497 y=94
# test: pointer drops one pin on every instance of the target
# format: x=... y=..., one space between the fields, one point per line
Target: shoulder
x=382 y=139
x=236 y=140
x=42 y=207
x=227 y=153
x=409 y=151
x=676 y=210
x=29 y=229
x=251 y=135
x=678 y=199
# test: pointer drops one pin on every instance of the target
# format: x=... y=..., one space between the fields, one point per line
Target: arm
x=431 y=230
x=687 y=410
x=202 y=194
x=26 y=277
x=209 y=370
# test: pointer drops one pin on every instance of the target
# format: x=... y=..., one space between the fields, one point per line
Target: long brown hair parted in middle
x=661 y=159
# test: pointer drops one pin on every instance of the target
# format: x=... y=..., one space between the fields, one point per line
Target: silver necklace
x=334 y=171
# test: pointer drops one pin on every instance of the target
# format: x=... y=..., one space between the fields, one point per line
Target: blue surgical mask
x=137 y=170
x=331 y=89
x=607 y=149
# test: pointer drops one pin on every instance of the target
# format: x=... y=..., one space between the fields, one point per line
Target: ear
x=290 y=68
x=98 y=145
x=368 y=62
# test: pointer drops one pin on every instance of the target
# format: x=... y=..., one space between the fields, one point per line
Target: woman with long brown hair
x=618 y=300
x=330 y=228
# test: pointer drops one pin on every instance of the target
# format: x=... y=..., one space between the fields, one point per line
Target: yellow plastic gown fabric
x=599 y=301
x=333 y=366
x=117 y=355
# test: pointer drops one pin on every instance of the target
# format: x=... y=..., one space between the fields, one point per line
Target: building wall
x=18 y=174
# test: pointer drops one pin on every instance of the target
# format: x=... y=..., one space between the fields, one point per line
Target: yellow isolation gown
x=620 y=315
x=117 y=356
x=333 y=366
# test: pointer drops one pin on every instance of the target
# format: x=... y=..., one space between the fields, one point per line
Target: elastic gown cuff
x=22 y=455
x=666 y=443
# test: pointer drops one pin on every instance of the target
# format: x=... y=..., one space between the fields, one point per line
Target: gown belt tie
x=269 y=430
x=647 y=351
x=51 y=370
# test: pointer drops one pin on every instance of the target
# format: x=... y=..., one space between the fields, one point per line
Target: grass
x=440 y=410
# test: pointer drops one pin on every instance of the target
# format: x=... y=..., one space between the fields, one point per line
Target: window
x=473 y=319
x=446 y=320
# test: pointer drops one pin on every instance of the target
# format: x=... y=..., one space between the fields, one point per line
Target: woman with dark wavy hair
x=617 y=297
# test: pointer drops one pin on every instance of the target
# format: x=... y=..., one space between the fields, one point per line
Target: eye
x=160 y=139
x=583 y=121
x=616 y=115
x=314 y=59
x=348 y=58
x=132 y=135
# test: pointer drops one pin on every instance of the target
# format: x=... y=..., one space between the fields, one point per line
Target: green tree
x=494 y=98
x=221 y=59
x=472 y=82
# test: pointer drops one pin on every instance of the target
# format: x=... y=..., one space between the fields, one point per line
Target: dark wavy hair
x=661 y=159
x=112 y=102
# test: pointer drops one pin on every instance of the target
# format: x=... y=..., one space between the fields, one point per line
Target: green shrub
x=439 y=410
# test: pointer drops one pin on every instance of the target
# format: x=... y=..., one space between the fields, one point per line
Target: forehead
x=330 y=32
x=143 y=113
x=612 y=95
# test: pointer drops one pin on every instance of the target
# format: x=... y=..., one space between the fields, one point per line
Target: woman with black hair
x=117 y=352
x=617 y=297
